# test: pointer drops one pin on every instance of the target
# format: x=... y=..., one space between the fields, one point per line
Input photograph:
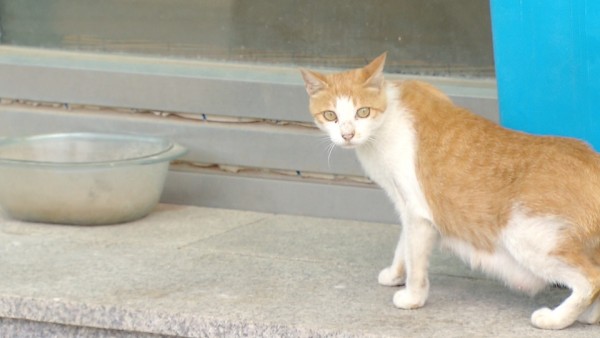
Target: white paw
x=547 y=319
x=389 y=277
x=409 y=300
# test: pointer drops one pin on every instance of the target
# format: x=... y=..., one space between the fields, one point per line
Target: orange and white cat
x=523 y=208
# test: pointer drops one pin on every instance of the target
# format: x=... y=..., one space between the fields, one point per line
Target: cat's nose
x=348 y=136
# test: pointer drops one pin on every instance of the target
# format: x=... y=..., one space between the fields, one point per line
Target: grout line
x=225 y=232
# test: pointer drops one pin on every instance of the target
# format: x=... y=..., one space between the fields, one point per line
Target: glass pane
x=434 y=37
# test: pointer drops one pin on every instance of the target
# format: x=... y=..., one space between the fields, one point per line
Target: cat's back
x=474 y=172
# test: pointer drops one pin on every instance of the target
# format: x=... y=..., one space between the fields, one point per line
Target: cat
x=522 y=208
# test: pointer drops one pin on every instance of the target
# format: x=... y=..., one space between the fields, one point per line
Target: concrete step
x=200 y=272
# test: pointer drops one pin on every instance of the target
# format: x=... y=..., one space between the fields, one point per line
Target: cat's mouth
x=348 y=144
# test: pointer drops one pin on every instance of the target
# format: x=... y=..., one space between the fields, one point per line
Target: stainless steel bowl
x=83 y=178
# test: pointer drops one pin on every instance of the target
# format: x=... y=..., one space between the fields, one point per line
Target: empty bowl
x=83 y=178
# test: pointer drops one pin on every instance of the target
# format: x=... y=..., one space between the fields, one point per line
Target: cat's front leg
x=395 y=274
x=419 y=238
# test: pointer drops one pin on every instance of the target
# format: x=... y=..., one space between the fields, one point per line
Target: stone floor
x=189 y=271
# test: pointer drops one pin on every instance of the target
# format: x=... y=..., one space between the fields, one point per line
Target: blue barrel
x=547 y=56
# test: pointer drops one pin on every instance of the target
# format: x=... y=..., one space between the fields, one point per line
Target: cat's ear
x=374 y=71
x=313 y=81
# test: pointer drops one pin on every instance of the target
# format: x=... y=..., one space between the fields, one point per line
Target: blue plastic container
x=547 y=56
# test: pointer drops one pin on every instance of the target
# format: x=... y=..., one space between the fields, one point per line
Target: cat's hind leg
x=592 y=314
x=540 y=244
x=579 y=305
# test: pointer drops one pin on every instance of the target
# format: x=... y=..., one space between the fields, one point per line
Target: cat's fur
x=523 y=208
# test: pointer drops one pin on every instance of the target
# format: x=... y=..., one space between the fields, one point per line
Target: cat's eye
x=363 y=112
x=329 y=115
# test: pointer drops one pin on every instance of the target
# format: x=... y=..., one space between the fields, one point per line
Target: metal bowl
x=83 y=178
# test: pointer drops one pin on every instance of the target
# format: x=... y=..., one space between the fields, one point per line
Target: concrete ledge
x=200 y=272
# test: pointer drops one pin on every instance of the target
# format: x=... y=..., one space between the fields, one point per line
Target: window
x=435 y=37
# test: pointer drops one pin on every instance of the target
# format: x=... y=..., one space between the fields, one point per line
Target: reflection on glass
x=433 y=37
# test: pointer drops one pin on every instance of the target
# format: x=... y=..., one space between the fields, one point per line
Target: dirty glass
x=432 y=37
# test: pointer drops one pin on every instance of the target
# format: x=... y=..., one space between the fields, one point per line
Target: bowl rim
x=169 y=152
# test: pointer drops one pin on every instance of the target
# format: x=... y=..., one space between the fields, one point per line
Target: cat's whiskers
x=369 y=142
x=329 y=146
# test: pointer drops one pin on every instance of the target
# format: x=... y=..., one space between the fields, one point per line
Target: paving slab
x=203 y=272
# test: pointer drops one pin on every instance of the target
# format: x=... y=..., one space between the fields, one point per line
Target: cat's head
x=349 y=106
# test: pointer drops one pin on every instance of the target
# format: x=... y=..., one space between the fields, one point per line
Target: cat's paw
x=404 y=299
x=547 y=319
x=389 y=277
